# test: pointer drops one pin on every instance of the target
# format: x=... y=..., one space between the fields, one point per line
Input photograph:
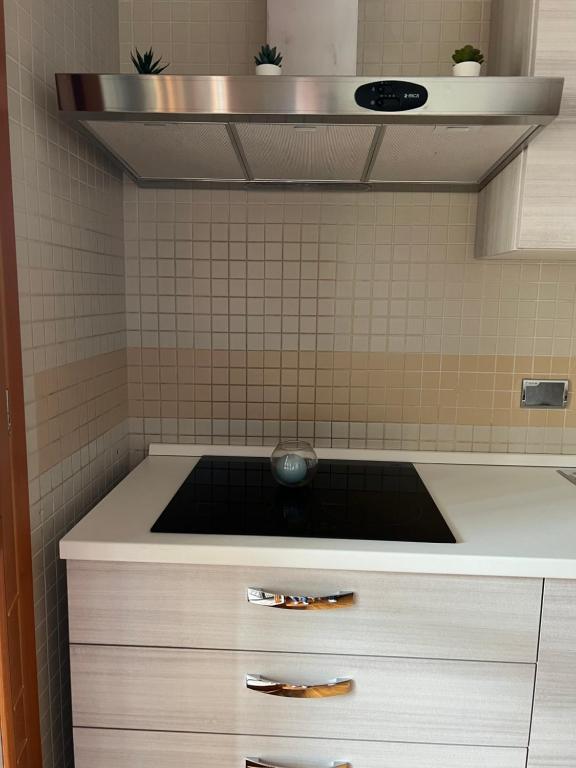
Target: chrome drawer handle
x=258 y=596
x=253 y=762
x=337 y=687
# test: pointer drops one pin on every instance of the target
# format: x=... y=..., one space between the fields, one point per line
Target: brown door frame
x=19 y=711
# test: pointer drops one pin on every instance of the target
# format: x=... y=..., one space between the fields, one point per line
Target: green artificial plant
x=145 y=64
x=267 y=55
x=468 y=53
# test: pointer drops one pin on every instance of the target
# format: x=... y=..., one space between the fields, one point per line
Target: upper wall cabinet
x=529 y=210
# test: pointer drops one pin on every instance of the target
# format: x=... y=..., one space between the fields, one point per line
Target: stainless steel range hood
x=344 y=132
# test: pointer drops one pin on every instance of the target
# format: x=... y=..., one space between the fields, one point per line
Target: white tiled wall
x=302 y=270
x=418 y=37
x=68 y=207
x=333 y=271
x=215 y=37
x=239 y=305
x=348 y=318
x=220 y=37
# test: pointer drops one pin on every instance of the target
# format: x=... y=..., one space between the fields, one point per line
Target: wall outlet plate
x=544 y=393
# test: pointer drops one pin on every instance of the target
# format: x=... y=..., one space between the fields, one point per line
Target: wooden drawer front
x=456 y=702
x=142 y=749
x=558 y=635
x=182 y=606
x=553 y=737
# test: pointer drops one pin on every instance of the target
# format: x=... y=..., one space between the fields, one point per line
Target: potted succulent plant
x=467 y=61
x=268 y=61
x=145 y=63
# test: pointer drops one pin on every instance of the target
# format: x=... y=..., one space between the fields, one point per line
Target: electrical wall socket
x=544 y=393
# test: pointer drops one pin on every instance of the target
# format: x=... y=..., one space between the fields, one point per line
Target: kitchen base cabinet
x=442 y=669
x=94 y=748
x=553 y=736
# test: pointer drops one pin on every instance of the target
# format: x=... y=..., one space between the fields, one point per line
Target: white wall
x=68 y=207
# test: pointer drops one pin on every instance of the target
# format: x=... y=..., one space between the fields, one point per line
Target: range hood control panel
x=391 y=96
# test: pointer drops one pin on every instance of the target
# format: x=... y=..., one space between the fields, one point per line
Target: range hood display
x=338 y=132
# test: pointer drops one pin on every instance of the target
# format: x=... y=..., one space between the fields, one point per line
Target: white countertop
x=511 y=516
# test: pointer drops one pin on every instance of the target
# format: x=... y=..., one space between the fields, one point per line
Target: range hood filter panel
x=304 y=152
x=443 y=153
x=172 y=150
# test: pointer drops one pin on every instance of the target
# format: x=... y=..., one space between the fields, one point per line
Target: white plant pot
x=268 y=69
x=466 y=69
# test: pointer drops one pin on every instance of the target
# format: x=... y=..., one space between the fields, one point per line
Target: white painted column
x=316 y=37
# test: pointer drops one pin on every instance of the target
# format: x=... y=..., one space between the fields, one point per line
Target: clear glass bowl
x=293 y=463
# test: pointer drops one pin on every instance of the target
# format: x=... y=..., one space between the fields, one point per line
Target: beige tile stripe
x=77 y=403
x=341 y=386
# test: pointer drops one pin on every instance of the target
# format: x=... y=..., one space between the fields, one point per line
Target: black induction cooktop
x=373 y=500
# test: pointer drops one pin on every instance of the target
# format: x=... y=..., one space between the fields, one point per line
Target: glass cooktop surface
x=370 y=500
